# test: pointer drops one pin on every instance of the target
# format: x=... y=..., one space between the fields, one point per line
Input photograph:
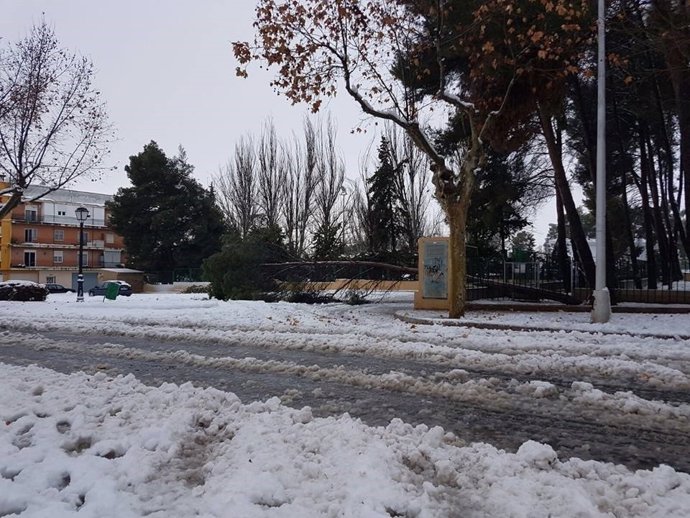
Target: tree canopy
x=168 y=220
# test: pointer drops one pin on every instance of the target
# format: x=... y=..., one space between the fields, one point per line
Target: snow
x=92 y=444
x=19 y=283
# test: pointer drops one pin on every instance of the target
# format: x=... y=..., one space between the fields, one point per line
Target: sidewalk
x=635 y=319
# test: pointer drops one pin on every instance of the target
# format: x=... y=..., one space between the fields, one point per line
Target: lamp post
x=343 y=193
x=82 y=215
x=601 y=308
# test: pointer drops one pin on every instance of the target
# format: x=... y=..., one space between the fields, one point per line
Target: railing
x=59 y=220
x=98 y=243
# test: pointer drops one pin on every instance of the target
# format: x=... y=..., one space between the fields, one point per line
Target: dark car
x=57 y=288
x=100 y=289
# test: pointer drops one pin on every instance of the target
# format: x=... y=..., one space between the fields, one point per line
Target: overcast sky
x=166 y=70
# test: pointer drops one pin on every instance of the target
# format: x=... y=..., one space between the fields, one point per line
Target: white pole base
x=601 y=308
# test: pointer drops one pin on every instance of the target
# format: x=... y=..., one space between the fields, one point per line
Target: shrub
x=22 y=291
x=235 y=272
x=197 y=288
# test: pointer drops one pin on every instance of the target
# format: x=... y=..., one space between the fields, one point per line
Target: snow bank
x=98 y=446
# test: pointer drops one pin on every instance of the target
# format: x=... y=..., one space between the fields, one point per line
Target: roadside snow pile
x=22 y=291
x=98 y=446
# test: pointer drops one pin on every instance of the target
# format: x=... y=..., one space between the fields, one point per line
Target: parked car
x=57 y=288
x=99 y=289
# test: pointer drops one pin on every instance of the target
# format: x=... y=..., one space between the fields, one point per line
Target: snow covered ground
x=96 y=444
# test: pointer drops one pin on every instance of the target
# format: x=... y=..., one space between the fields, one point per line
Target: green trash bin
x=112 y=291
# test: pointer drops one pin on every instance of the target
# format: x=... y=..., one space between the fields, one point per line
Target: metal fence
x=171 y=276
x=542 y=277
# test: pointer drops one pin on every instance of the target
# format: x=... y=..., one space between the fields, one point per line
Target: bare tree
x=271 y=175
x=53 y=125
x=236 y=188
x=331 y=174
x=299 y=189
x=331 y=171
x=360 y=221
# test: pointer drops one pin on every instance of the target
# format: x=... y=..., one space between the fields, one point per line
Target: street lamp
x=601 y=308
x=343 y=193
x=82 y=215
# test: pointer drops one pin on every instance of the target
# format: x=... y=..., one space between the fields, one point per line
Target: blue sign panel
x=435 y=276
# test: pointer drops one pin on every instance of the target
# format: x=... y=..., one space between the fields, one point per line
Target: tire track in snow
x=539 y=397
x=474 y=411
x=647 y=379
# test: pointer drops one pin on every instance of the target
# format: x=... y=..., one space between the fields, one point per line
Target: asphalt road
x=475 y=404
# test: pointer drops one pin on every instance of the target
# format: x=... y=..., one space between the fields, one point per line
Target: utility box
x=433 y=274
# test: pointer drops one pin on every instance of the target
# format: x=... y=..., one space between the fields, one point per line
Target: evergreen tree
x=523 y=244
x=507 y=192
x=328 y=242
x=168 y=220
x=384 y=206
x=235 y=272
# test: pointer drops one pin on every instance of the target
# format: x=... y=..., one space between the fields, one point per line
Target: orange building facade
x=39 y=241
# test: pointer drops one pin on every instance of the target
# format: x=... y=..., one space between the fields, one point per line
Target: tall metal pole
x=601 y=309
x=80 y=276
x=82 y=214
x=343 y=193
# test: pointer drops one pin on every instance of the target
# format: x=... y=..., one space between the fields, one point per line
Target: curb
x=512 y=327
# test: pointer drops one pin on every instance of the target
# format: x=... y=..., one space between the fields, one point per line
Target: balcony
x=57 y=220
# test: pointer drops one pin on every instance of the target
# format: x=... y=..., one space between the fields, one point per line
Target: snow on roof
x=68 y=196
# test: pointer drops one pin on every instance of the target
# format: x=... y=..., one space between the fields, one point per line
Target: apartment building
x=39 y=241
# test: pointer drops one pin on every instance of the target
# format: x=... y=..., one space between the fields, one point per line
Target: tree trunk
x=669 y=155
x=656 y=210
x=630 y=237
x=577 y=234
x=665 y=172
x=457 y=264
x=650 y=238
x=677 y=62
x=561 y=248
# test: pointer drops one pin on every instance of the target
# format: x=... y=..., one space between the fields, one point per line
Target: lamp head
x=82 y=214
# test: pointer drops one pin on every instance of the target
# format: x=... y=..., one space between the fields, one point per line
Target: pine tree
x=384 y=206
x=168 y=220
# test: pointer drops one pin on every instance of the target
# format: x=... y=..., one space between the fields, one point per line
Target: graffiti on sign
x=435 y=275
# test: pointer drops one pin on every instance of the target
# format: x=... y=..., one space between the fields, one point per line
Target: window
x=86 y=238
x=29 y=258
x=30 y=235
x=58 y=235
x=62 y=213
x=31 y=214
x=50 y=279
x=84 y=257
x=110 y=238
x=57 y=257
